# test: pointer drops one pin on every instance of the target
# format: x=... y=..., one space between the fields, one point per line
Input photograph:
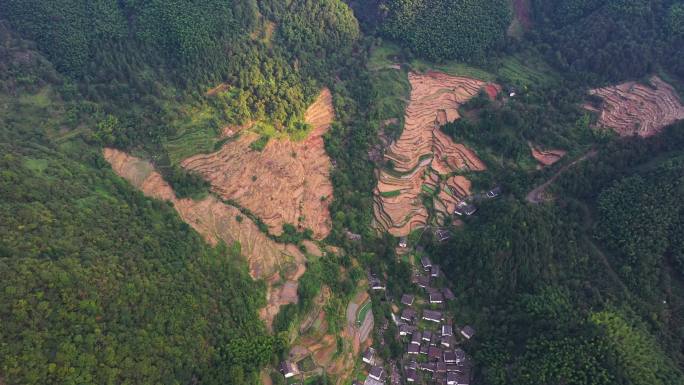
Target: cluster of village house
x=432 y=352
x=431 y=340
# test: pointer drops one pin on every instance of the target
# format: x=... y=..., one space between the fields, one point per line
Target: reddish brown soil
x=546 y=157
x=492 y=90
x=423 y=152
x=637 y=109
x=286 y=182
x=216 y=221
x=265 y=377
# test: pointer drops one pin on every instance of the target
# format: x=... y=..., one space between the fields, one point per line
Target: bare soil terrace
x=546 y=157
x=424 y=157
x=633 y=108
x=286 y=182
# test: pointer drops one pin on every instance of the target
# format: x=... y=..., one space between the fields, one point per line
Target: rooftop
x=408 y=314
x=447 y=330
x=468 y=331
x=413 y=349
x=434 y=353
x=377 y=372
x=432 y=315
x=436 y=298
x=495 y=192
x=407 y=299
x=405 y=329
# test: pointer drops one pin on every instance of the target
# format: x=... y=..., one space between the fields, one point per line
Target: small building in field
x=416 y=338
x=447 y=330
x=373 y=381
x=413 y=349
x=432 y=315
x=442 y=235
x=425 y=261
x=436 y=298
x=411 y=375
x=406 y=330
x=403 y=242
x=376 y=284
x=468 y=332
x=288 y=369
x=434 y=353
x=407 y=299
x=456 y=378
x=369 y=356
x=352 y=236
x=465 y=208
x=422 y=281
x=408 y=315
x=377 y=373
x=452 y=379
x=493 y=193
x=455 y=356
x=447 y=342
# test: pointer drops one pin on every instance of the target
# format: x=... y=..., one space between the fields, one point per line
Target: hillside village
x=432 y=341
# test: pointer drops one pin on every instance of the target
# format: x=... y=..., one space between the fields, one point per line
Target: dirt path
x=537 y=194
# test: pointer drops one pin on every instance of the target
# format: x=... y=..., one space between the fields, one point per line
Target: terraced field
x=546 y=157
x=424 y=155
x=633 y=108
x=285 y=182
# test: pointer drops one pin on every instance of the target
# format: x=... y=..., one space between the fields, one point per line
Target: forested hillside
x=439 y=30
x=613 y=40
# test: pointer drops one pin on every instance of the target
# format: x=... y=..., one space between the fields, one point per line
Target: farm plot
x=423 y=154
x=281 y=182
x=633 y=108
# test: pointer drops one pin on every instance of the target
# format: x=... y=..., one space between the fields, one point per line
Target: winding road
x=536 y=196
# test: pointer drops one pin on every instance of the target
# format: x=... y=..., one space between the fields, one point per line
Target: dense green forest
x=614 y=39
x=437 y=29
x=102 y=285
